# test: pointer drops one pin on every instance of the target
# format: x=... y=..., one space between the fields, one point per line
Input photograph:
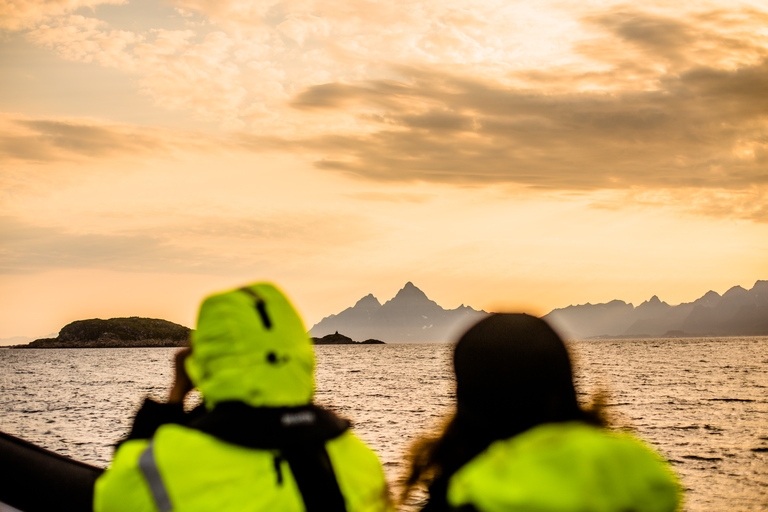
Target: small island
x=116 y=333
x=340 y=339
x=136 y=332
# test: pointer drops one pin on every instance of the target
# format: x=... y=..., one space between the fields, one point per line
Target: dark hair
x=513 y=372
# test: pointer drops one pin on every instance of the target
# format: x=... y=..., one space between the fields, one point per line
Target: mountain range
x=738 y=312
x=412 y=316
x=408 y=316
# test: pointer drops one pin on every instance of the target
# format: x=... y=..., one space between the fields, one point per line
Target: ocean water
x=702 y=402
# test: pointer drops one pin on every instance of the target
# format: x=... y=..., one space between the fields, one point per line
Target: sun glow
x=497 y=154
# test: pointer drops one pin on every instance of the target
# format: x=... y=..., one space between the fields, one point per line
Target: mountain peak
x=368 y=301
x=410 y=291
x=736 y=291
x=653 y=303
x=408 y=316
x=709 y=299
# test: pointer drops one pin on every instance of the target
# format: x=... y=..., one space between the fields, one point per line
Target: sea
x=702 y=402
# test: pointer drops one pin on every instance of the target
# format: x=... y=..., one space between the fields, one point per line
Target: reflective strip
x=148 y=467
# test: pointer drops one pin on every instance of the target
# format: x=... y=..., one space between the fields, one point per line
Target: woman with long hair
x=520 y=441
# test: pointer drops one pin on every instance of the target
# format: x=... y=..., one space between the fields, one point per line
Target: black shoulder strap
x=313 y=471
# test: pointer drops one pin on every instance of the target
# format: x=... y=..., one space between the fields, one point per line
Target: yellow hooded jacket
x=251 y=358
x=566 y=467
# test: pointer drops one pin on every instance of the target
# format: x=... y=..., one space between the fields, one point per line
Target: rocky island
x=116 y=333
x=143 y=332
x=340 y=339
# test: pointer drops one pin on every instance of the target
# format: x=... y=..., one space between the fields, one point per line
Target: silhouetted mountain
x=738 y=312
x=654 y=317
x=589 y=320
x=409 y=316
x=21 y=340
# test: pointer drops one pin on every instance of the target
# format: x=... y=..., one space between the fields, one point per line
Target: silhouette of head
x=513 y=372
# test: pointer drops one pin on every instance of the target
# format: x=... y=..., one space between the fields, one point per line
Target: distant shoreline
x=137 y=332
x=145 y=343
x=666 y=335
x=320 y=342
x=150 y=343
x=340 y=339
x=157 y=344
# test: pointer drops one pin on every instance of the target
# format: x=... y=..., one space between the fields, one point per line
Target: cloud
x=180 y=73
x=721 y=38
x=46 y=140
x=650 y=99
x=88 y=140
x=683 y=123
x=29 y=248
x=705 y=127
x=750 y=204
x=314 y=230
x=23 y=14
x=187 y=244
x=386 y=94
x=240 y=62
x=178 y=68
x=82 y=39
x=392 y=197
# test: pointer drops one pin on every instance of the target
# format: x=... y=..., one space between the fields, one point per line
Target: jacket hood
x=251 y=346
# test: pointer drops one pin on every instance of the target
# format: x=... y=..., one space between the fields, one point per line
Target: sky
x=507 y=155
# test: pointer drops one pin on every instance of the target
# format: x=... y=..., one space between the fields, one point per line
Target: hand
x=181 y=382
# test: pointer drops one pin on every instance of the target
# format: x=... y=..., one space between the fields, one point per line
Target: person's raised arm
x=181 y=382
x=152 y=414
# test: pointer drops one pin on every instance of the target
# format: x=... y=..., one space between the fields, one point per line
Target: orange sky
x=505 y=155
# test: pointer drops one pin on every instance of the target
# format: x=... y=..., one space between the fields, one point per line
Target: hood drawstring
x=261 y=307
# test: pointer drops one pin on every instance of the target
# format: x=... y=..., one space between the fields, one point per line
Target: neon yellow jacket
x=251 y=355
x=202 y=473
x=566 y=467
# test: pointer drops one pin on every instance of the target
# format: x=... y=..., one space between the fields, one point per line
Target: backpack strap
x=312 y=469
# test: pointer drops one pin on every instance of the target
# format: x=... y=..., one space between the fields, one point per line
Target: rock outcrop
x=116 y=333
x=340 y=339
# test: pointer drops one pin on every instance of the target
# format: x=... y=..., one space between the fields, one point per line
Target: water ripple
x=702 y=402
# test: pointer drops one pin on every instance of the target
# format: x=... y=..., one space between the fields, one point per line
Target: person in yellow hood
x=519 y=440
x=257 y=442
